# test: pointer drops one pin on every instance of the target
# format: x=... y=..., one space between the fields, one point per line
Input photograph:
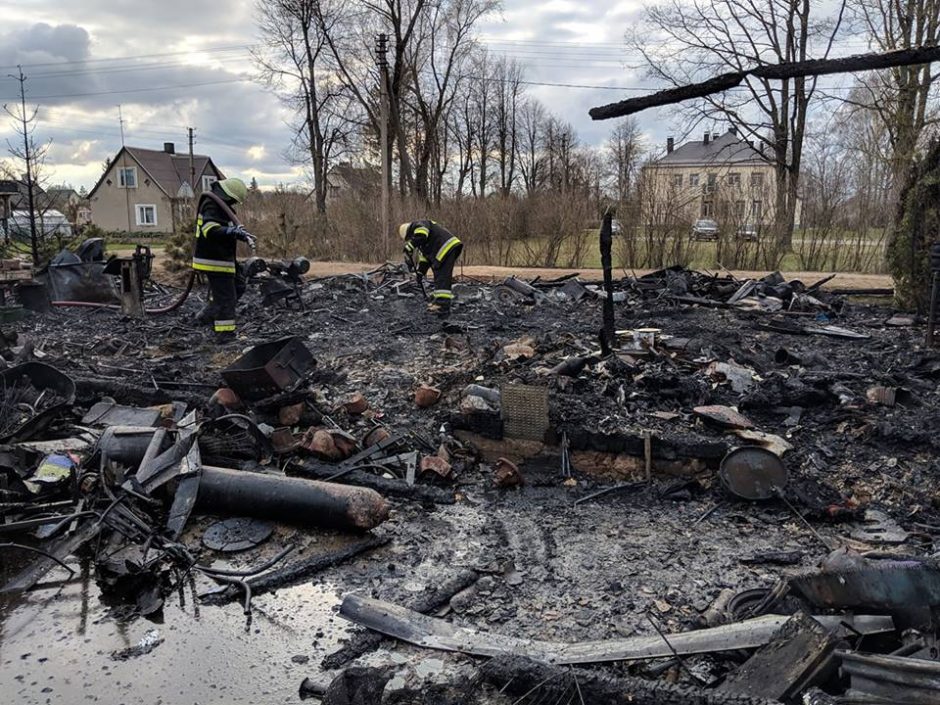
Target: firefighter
x=217 y=233
x=429 y=245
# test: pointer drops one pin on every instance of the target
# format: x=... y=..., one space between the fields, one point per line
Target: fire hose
x=233 y=219
x=150 y=311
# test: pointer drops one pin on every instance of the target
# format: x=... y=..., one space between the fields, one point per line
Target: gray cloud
x=79 y=99
x=43 y=43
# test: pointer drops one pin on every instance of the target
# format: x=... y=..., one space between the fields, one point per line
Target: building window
x=127 y=177
x=146 y=214
x=739 y=209
x=757 y=180
x=734 y=179
x=677 y=179
x=756 y=210
x=207 y=182
x=693 y=179
x=707 y=209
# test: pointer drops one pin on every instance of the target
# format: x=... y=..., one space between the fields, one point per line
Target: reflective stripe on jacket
x=215 y=245
x=432 y=242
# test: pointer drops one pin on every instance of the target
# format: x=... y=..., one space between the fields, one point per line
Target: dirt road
x=849 y=280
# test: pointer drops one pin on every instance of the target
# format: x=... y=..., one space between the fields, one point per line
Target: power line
x=139 y=90
x=188 y=52
x=115 y=69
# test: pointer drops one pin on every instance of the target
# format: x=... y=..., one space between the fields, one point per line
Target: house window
x=756 y=210
x=146 y=214
x=693 y=179
x=707 y=209
x=739 y=207
x=734 y=179
x=207 y=182
x=677 y=179
x=127 y=177
x=757 y=179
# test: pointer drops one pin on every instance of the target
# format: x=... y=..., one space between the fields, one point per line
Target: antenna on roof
x=121 y=121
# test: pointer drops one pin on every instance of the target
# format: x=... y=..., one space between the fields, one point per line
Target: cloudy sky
x=175 y=63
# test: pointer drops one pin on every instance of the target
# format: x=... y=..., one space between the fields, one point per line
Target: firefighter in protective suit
x=429 y=245
x=217 y=234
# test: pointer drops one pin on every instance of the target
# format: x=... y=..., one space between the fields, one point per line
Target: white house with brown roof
x=145 y=190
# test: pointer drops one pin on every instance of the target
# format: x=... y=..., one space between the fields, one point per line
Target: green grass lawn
x=836 y=253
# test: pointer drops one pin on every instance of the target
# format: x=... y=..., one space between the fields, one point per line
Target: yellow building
x=720 y=177
x=146 y=191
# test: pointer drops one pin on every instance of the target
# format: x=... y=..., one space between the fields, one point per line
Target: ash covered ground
x=548 y=561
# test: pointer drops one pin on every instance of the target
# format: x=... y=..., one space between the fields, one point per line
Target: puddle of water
x=56 y=646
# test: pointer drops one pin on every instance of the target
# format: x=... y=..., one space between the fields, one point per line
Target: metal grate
x=525 y=411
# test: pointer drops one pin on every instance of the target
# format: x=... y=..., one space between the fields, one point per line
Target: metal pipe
x=41 y=521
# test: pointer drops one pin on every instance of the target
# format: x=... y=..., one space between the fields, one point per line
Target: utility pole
x=121 y=122
x=28 y=157
x=381 y=51
x=192 y=163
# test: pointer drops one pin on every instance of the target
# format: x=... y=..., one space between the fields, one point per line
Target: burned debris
x=730 y=498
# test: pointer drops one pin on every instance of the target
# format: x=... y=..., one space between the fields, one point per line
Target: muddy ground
x=548 y=568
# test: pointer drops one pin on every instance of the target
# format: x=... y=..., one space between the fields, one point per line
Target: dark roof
x=168 y=171
x=61 y=191
x=357 y=179
x=724 y=149
x=20 y=198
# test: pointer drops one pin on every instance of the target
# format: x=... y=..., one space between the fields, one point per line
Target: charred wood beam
x=427 y=602
x=812 y=67
x=91 y=390
x=519 y=676
x=865 y=292
x=606 y=241
x=389 y=488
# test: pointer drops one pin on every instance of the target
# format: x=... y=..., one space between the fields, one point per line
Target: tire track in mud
x=531 y=544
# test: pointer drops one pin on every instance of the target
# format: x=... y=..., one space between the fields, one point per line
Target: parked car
x=705 y=229
x=748 y=232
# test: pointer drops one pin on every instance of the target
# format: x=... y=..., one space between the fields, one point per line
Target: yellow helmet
x=403 y=230
x=234 y=188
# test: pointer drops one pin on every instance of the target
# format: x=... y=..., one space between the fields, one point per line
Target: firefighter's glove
x=246 y=237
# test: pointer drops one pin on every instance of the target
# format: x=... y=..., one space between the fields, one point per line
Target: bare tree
x=443 y=44
x=900 y=97
x=683 y=40
x=295 y=60
x=28 y=155
x=428 y=42
x=623 y=150
x=531 y=159
x=561 y=144
x=461 y=127
x=483 y=95
x=507 y=75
